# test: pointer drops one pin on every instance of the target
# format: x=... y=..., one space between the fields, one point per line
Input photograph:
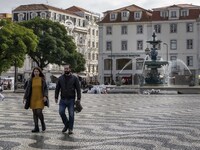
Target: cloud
x=98 y=6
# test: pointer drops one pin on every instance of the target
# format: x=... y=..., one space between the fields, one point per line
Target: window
x=20 y=17
x=89 y=44
x=140 y=45
x=124 y=30
x=113 y=16
x=124 y=15
x=60 y=18
x=63 y=18
x=97 y=33
x=33 y=15
x=157 y=28
x=120 y=63
x=139 y=65
x=173 y=28
x=189 y=60
x=54 y=16
x=81 y=40
x=97 y=44
x=124 y=45
x=137 y=15
x=89 y=56
x=173 y=44
x=43 y=15
x=158 y=46
x=173 y=58
x=93 y=68
x=108 y=45
x=93 y=56
x=93 y=44
x=174 y=66
x=107 y=64
x=164 y=14
x=139 y=29
x=173 y=14
x=184 y=13
x=109 y=30
x=97 y=57
x=189 y=27
x=93 y=31
x=189 y=44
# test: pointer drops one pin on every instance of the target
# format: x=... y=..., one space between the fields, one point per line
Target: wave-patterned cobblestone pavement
x=107 y=122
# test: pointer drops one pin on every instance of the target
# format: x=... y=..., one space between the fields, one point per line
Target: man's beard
x=67 y=72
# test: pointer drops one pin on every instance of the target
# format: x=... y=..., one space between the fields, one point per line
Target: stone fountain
x=152 y=77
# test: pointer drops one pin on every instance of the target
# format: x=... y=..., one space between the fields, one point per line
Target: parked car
x=52 y=86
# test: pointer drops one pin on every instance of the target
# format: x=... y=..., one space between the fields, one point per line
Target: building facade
x=6 y=16
x=79 y=23
x=124 y=33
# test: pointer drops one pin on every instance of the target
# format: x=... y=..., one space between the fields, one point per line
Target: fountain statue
x=153 y=76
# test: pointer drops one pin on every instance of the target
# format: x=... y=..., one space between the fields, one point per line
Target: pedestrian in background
x=69 y=86
x=36 y=97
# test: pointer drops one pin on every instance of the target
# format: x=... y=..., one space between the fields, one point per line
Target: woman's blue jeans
x=69 y=104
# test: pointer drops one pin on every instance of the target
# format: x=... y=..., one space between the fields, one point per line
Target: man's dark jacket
x=68 y=84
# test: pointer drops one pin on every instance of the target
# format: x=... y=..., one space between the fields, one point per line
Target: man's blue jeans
x=69 y=104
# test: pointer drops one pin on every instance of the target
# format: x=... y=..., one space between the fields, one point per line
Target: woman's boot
x=36 y=129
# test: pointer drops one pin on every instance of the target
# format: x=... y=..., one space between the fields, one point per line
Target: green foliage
x=15 y=42
x=55 y=46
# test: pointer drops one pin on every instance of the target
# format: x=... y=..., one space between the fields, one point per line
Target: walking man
x=69 y=86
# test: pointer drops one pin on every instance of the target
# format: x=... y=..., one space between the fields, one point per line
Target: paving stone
x=107 y=122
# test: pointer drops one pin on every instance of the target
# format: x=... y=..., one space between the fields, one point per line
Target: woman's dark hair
x=40 y=74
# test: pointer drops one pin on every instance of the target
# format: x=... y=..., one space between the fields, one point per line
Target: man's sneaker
x=70 y=132
x=65 y=129
x=35 y=130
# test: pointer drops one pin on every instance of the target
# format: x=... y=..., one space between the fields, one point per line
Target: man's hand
x=56 y=100
x=78 y=100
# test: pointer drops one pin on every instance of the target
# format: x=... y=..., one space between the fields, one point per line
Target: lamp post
x=15 y=78
x=167 y=49
x=111 y=68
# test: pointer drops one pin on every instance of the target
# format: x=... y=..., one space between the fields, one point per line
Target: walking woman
x=36 y=97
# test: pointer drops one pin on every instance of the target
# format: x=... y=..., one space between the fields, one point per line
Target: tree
x=55 y=46
x=15 y=42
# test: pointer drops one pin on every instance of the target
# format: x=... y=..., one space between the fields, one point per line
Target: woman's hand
x=45 y=99
x=24 y=100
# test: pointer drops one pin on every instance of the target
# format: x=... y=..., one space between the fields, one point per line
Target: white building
x=124 y=32
x=89 y=43
x=79 y=23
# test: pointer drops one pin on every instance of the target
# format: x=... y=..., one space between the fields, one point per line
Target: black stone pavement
x=107 y=122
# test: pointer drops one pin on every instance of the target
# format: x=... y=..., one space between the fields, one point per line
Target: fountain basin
x=135 y=89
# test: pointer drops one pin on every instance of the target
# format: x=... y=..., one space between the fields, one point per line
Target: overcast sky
x=99 y=6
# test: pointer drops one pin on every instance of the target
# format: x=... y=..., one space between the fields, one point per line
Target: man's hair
x=67 y=65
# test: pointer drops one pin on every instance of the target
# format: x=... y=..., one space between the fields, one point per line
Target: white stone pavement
x=107 y=122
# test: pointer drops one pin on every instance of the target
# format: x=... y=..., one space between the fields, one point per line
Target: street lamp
x=15 y=78
x=167 y=49
x=111 y=68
